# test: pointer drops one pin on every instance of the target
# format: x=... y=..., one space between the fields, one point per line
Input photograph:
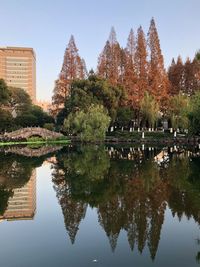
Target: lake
x=81 y=206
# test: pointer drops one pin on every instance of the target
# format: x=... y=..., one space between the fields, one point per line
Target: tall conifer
x=158 y=81
x=141 y=66
x=73 y=68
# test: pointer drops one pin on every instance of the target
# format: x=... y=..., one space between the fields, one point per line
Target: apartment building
x=18 y=68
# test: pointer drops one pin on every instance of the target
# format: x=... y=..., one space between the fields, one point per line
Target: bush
x=88 y=125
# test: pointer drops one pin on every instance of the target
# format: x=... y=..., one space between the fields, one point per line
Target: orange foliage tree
x=73 y=68
x=158 y=80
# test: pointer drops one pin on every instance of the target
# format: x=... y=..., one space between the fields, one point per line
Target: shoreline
x=10 y=143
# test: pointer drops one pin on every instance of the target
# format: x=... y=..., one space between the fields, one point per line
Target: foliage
x=4 y=92
x=178 y=111
x=184 y=77
x=90 y=125
x=19 y=100
x=6 y=120
x=124 y=116
x=194 y=114
x=94 y=91
x=49 y=126
x=34 y=116
x=158 y=80
x=110 y=60
x=149 y=110
x=73 y=68
x=18 y=111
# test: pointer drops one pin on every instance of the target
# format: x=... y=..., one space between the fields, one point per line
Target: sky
x=46 y=26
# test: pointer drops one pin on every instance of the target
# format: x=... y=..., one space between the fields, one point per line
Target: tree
x=191 y=71
x=73 y=68
x=19 y=100
x=4 y=92
x=130 y=79
x=176 y=76
x=184 y=78
x=178 y=108
x=194 y=114
x=158 y=80
x=6 y=120
x=109 y=62
x=149 y=110
x=94 y=90
x=90 y=125
x=34 y=116
x=124 y=116
x=141 y=66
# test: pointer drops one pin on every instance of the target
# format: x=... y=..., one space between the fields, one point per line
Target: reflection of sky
x=45 y=242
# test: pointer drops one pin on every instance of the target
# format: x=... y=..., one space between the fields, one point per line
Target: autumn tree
x=176 y=76
x=109 y=62
x=184 y=77
x=73 y=68
x=141 y=67
x=130 y=71
x=191 y=80
x=158 y=80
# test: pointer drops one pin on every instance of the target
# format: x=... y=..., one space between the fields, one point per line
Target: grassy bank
x=35 y=142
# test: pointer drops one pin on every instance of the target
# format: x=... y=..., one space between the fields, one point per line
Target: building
x=45 y=105
x=22 y=205
x=18 y=68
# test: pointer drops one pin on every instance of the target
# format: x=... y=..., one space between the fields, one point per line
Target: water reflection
x=18 y=186
x=130 y=188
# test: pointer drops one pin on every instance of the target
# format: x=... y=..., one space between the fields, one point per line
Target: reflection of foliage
x=15 y=171
x=129 y=195
x=85 y=171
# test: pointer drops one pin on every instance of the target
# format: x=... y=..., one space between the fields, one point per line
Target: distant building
x=22 y=205
x=45 y=105
x=18 y=68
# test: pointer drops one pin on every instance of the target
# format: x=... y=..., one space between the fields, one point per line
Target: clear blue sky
x=46 y=25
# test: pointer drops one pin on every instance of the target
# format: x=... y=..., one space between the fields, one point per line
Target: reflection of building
x=17 y=68
x=22 y=205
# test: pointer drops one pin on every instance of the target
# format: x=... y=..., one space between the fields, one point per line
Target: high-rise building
x=18 y=68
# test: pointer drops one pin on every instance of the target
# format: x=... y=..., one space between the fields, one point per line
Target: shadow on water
x=130 y=187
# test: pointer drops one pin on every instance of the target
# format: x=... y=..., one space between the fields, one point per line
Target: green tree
x=34 y=116
x=4 y=92
x=124 y=116
x=194 y=114
x=178 y=108
x=19 y=100
x=95 y=90
x=6 y=120
x=149 y=109
x=89 y=125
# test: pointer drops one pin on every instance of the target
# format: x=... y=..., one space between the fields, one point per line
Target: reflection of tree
x=16 y=170
x=73 y=211
x=129 y=195
x=111 y=219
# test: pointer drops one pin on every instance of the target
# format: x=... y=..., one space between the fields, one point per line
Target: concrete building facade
x=18 y=68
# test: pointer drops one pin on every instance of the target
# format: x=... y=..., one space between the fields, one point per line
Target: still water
x=100 y=206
